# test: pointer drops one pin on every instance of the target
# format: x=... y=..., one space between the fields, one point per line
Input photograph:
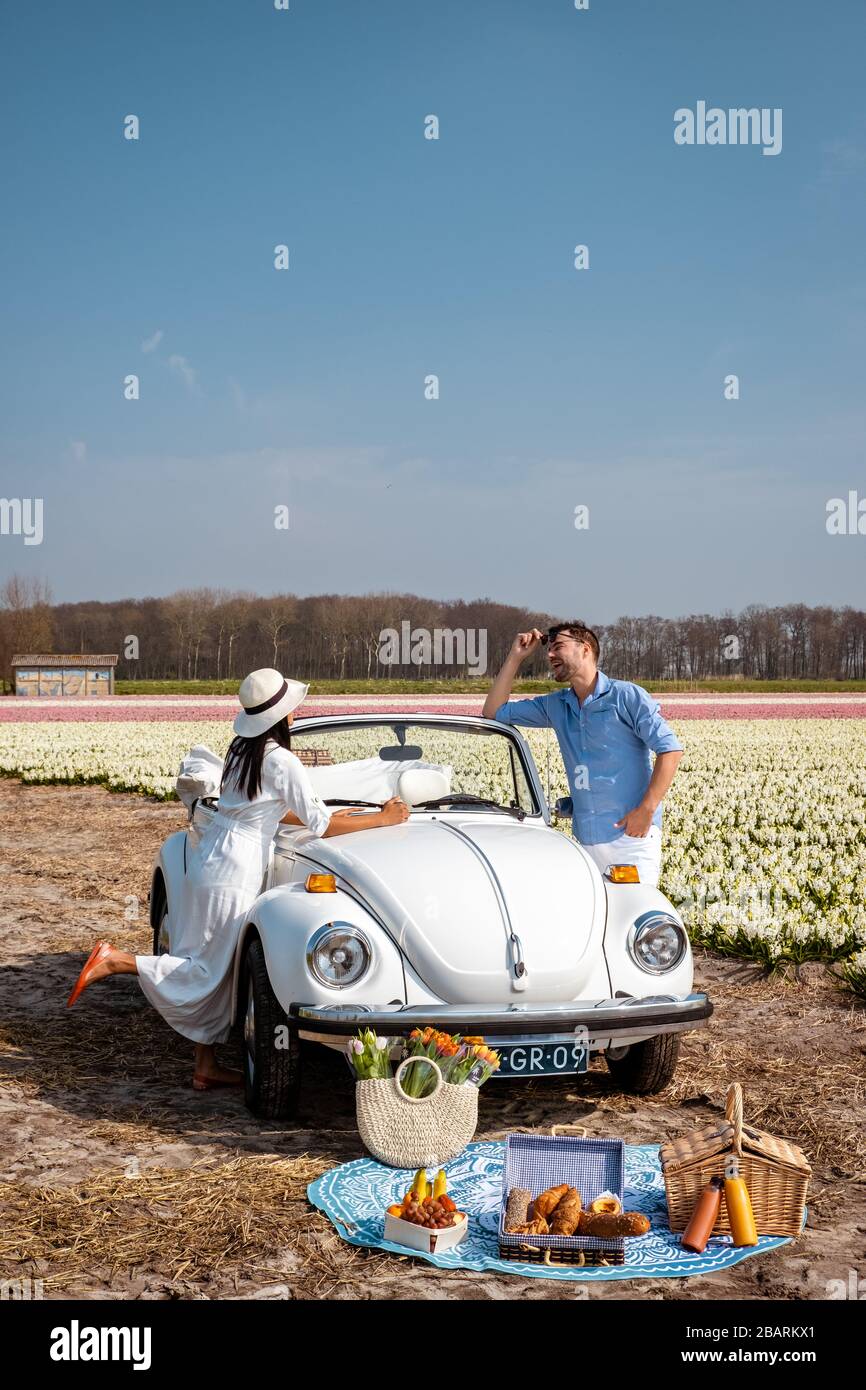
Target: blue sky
x=410 y=257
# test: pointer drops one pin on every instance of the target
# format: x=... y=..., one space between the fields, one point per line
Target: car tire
x=272 y=1075
x=646 y=1067
x=160 y=933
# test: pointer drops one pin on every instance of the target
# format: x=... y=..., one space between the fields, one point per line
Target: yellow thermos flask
x=739 y=1205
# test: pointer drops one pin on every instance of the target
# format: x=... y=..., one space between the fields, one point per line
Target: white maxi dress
x=192 y=987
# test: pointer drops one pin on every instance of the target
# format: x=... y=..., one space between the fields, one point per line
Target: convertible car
x=476 y=916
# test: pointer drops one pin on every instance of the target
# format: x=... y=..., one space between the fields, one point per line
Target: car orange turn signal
x=623 y=873
x=321 y=883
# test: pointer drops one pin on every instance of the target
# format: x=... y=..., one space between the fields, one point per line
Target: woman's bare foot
x=208 y=1069
x=114 y=963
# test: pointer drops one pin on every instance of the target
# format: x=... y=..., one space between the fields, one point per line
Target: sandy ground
x=107 y=1156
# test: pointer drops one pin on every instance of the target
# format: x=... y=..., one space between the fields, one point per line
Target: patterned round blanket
x=355 y=1195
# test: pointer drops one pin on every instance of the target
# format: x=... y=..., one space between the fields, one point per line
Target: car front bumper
x=594 y=1023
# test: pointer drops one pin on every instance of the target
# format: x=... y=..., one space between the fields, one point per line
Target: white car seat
x=419 y=784
x=370 y=779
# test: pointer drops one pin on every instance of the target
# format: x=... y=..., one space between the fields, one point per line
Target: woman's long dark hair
x=243 y=764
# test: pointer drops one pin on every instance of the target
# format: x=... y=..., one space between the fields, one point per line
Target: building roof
x=53 y=659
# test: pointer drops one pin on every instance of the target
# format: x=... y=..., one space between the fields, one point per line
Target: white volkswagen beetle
x=475 y=916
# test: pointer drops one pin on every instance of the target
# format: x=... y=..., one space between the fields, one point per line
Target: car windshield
x=430 y=765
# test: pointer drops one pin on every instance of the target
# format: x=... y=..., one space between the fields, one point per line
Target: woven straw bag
x=412 y=1131
x=776 y=1172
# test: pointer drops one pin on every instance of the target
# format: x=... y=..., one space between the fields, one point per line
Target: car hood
x=453 y=892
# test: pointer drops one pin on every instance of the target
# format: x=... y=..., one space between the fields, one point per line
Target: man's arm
x=639 y=820
x=523 y=646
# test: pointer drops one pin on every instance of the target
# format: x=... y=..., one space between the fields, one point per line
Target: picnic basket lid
x=731 y=1136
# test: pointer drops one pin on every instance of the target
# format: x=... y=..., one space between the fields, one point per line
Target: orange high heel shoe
x=97 y=955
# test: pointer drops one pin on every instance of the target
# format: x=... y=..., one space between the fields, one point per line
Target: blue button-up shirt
x=605 y=744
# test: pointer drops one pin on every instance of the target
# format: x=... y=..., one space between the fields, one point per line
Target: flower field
x=184 y=708
x=765 y=827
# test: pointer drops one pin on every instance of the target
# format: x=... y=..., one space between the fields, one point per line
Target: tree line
x=214 y=634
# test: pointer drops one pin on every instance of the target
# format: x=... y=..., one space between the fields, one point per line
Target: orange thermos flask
x=704 y=1217
x=739 y=1205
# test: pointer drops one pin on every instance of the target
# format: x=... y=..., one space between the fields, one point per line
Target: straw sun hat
x=266 y=697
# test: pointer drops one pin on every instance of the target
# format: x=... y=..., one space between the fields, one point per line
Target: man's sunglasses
x=555 y=632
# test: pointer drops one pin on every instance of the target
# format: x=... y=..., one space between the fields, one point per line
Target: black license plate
x=541 y=1059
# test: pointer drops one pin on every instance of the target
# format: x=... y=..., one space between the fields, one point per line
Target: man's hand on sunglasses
x=525 y=643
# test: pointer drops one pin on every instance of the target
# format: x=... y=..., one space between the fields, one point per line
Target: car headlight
x=657 y=943
x=338 y=954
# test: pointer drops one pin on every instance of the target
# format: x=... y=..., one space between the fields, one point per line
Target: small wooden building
x=49 y=674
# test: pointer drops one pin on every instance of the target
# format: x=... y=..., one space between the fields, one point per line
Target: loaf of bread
x=517 y=1208
x=610 y=1225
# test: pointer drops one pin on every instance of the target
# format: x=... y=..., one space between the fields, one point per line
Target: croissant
x=567 y=1214
x=546 y=1201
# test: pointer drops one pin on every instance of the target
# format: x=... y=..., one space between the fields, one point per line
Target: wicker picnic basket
x=415 y=1132
x=775 y=1171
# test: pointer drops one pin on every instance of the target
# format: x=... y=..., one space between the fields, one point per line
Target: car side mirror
x=563 y=808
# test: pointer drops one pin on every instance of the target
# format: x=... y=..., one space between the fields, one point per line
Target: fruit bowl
x=432 y=1240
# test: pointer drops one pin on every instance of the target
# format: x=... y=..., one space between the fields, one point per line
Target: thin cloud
x=184 y=370
x=152 y=343
x=79 y=450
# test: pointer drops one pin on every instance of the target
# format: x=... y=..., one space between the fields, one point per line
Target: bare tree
x=274 y=618
x=26 y=622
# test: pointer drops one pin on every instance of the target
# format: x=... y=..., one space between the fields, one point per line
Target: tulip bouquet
x=462 y=1061
x=370 y=1056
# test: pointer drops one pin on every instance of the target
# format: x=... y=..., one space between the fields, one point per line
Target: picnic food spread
x=576 y=1215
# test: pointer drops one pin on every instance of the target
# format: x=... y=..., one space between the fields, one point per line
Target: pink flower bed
x=149 y=708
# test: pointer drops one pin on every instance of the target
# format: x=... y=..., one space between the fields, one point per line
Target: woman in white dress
x=263 y=784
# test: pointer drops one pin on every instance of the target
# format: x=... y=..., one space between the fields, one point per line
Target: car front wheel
x=272 y=1049
x=646 y=1067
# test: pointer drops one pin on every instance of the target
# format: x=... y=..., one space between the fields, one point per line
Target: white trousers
x=644 y=851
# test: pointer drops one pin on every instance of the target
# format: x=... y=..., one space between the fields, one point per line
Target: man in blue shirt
x=607 y=731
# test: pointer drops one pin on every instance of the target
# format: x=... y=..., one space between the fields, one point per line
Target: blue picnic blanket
x=355 y=1195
